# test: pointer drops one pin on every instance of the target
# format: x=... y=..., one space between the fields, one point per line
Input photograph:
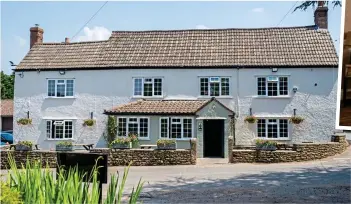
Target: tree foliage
x=306 y=4
x=7 y=85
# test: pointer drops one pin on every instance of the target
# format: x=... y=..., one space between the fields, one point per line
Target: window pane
x=272 y=130
x=138 y=87
x=48 y=129
x=204 y=86
x=122 y=127
x=187 y=128
x=58 y=131
x=261 y=86
x=147 y=89
x=225 y=86
x=69 y=88
x=283 y=85
x=164 y=128
x=214 y=88
x=158 y=87
x=133 y=126
x=144 y=127
x=272 y=88
x=261 y=128
x=61 y=88
x=51 y=88
x=283 y=128
x=176 y=128
x=68 y=129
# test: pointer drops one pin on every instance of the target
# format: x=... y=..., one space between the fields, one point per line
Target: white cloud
x=21 y=41
x=93 y=34
x=201 y=27
x=258 y=10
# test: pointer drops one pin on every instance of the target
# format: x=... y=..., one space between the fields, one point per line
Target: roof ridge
x=63 y=43
x=212 y=29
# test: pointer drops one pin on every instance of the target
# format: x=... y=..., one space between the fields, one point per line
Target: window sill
x=209 y=97
x=278 y=139
x=54 y=97
x=272 y=97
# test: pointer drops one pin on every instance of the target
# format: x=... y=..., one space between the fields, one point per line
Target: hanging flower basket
x=166 y=144
x=296 y=119
x=24 y=121
x=89 y=122
x=24 y=146
x=250 y=119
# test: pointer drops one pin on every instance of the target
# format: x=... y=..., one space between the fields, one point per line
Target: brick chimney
x=36 y=35
x=321 y=15
x=67 y=40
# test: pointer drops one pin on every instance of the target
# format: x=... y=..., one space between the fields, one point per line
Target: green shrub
x=64 y=143
x=38 y=185
x=26 y=143
x=250 y=119
x=121 y=140
x=111 y=129
x=24 y=121
x=9 y=195
x=165 y=141
x=89 y=122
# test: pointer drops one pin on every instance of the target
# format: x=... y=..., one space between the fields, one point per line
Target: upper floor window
x=214 y=86
x=272 y=128
x=176 y=128
x=272 y=86
x=147 y=87
x=60 y=87
x=133 y=125
x=59 y=129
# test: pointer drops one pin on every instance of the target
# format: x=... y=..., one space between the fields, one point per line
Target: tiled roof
x=159 y=107
x=261 y=47
x=6 y=107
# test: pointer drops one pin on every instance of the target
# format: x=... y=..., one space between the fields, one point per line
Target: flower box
x=266 y=145
x=22 y=147
x=121 y=146
x=64 y=148
x=266 y=148
x=165 y=144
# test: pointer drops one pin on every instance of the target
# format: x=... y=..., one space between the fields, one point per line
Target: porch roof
x=160 y=107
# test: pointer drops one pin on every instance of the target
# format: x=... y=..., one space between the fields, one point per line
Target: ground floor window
x=272 y=128
x=59 y=129
x=176 y=128
x=133 y=125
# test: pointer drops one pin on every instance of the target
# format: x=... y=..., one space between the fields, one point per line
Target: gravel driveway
x=322 y=181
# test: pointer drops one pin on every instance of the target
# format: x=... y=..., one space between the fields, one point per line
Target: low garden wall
x=117 y=157
x=299 y=152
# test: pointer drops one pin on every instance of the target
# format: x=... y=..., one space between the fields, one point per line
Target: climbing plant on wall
x=111 y=129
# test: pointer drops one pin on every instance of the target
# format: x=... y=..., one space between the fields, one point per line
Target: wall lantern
x=200 y=127
x=21 y=74
x=274 y=69
x=295 y=89
x=62 y=72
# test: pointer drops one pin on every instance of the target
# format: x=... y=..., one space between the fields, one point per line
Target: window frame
x=138 y=122
x=169 y=128
x=64 y=128
x=56 y=83
x=153 y=87
x=219 y=88
x=278 y=128
x=278 y=86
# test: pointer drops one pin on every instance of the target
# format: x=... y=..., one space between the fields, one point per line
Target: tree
x=306 y=4
x=7 y=85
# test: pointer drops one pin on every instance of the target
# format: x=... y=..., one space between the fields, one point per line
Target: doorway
x=213 y=138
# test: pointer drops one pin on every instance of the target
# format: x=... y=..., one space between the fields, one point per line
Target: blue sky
x=64 y=19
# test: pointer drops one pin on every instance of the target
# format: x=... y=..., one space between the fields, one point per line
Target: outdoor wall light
x=62 y=72
x=200 y=127
x=21 y=74
x=295 y=89
x=274 y=69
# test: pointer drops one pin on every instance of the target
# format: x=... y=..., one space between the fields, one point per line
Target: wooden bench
x=13 y=146
x=86 y=146
x=147 y=146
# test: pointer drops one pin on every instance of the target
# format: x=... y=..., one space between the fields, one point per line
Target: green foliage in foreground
x=9 y=195
x=38 y=185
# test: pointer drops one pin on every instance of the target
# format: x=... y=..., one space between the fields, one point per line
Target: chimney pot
x=321 y=15
x=66 y=40
x=36 y=35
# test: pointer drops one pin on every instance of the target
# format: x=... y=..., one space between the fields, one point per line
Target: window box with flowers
x=64 y=146
x=24 y=146
x=166 y=144
x=121 y=143
x=266 y=145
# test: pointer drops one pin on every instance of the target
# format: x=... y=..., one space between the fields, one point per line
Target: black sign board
x=85 y=163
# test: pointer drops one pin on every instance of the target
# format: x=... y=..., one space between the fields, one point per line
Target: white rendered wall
x=103 y=89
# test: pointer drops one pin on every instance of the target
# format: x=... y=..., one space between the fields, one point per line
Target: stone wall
x=20 y=157
x=300 y=152
x=150 y=157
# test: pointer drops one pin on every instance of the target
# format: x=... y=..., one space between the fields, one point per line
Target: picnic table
x=147 y=146
x=86 y=146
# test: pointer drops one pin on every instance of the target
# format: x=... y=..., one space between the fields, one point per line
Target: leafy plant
x=89 y=122
x=121 y=140
x=265 y=143
x=296 y=119
x=306 y=4
x=9 y=195
x=7 y=85
x=111 y=129
x=64 y=143
x=134 y=139
x=24 y=121
x=165 y=142
x=250 y=119
x=26 y=143
x=38 y=185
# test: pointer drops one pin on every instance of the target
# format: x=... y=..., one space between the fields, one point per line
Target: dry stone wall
x=20 y=157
